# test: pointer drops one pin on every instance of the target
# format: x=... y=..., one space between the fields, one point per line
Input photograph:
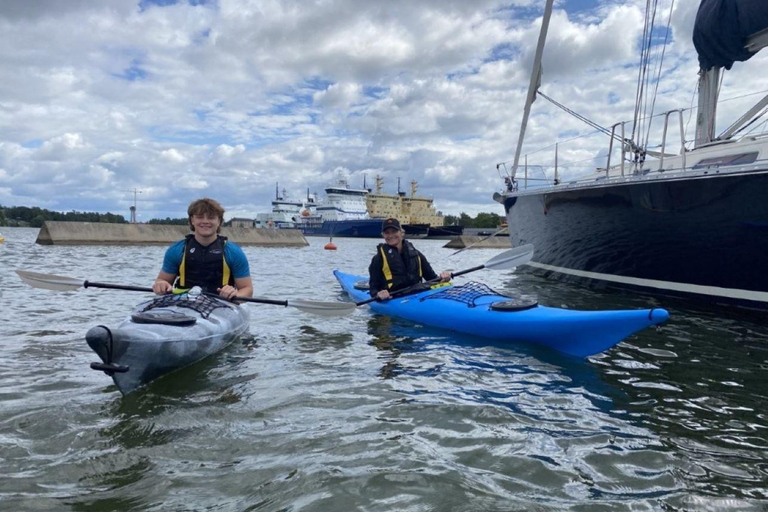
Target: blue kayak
x=474 y=308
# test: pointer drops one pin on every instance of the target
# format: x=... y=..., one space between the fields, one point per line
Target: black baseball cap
x=391 y=223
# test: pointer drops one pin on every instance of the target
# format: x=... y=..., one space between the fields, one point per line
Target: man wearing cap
x=397 y=264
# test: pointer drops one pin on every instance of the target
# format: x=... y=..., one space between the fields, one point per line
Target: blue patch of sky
x=133 y=72
x=316 y=83
x=298 y=98
x=535 y=10
x=32 y=144
x=202 y=36
x=160 y=134
x=202 y=138
x=201 y=114
x=660 y=35
x=613 y=98
x=503 y=51
x=376 y=92
x=578 y=6
x=146 y=4
x=288 y=106
x=457 y=75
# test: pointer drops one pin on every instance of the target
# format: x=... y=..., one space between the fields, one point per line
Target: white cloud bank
x=225 y=98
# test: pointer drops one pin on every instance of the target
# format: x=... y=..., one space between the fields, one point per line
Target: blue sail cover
x=722 y=28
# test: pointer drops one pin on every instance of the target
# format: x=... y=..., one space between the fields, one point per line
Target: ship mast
x=721 y=37
x=535 y=82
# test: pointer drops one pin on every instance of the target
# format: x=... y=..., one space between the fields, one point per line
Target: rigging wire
x=658 y=74
x=643 y=68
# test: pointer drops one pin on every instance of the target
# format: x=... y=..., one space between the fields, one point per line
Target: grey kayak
x=163 y=335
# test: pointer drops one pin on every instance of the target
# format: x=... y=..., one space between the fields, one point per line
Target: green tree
x=451 y=220
x=177 y=222
x=466 y=221
x=487 y=220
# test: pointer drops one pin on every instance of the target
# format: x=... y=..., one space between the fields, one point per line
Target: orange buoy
x=330 y=246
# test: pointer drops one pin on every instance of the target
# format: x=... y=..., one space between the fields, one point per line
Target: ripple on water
x=366 y=413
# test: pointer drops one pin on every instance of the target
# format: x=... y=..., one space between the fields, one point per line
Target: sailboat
x=689 y=221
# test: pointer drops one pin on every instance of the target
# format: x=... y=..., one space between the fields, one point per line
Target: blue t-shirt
x=233 y=255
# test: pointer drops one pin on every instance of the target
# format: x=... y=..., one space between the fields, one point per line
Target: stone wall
x=463 y=241
x=99 y=233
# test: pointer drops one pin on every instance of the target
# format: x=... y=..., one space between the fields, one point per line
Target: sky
x=104 y=101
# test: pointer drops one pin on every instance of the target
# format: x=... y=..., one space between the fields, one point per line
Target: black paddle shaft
x=86 y=284
x=417 y=285
x=467 y=271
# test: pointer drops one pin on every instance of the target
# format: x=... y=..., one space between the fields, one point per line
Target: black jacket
x=204 y=266
x=404 y=268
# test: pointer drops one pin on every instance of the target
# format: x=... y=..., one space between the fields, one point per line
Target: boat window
x=721 y=161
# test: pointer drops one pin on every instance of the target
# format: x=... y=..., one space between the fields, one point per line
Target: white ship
x=284 y=213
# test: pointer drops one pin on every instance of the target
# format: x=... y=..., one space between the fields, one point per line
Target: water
x=366 y=413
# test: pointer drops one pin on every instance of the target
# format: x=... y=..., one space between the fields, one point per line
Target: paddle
x=504 y=261
x=61 y=283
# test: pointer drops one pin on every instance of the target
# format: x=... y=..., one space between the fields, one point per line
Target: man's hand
x=161 y=287
x=445 y=276
x=227 y=292
x=383 y=295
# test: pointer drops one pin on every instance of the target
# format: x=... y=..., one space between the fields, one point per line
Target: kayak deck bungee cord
x=474 y=308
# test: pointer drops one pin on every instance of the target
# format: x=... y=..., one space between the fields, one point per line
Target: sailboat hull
x=702 y=235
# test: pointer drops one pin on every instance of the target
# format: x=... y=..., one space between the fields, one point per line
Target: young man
x=397 y=264
x=204 y=258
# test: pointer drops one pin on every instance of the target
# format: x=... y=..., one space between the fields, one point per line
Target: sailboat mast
x=709 y=81
x=535 y=81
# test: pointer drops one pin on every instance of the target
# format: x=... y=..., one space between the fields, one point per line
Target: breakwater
x=99 y=233
x=460 y=242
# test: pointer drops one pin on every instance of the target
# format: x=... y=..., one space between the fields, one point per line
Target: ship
x=416 y=213
x=689 y=222
x=342 y=214
x=283 y=215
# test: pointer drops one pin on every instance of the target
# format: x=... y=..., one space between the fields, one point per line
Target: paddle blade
x=322 y=308
x=511 y=258
x=50 y=281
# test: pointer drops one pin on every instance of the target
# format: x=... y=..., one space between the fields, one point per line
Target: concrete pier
x=494 y=242
x=99 y=233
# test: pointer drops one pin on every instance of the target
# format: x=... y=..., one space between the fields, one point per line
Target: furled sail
x=722 y=28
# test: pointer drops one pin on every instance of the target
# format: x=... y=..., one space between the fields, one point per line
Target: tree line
x=23 y=216
x=34 y=216
x=483 y=220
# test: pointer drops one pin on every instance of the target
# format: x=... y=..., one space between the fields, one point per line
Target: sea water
x=369 y=413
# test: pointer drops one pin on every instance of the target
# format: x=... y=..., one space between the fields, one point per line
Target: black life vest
x=400 y=272
x=204 y=266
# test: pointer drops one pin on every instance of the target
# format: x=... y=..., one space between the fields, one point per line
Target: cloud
x=173 y=156
x=338 y=95
x=63 y=147
x=226 y=98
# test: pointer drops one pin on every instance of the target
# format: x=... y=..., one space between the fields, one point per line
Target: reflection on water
x=369 y=413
